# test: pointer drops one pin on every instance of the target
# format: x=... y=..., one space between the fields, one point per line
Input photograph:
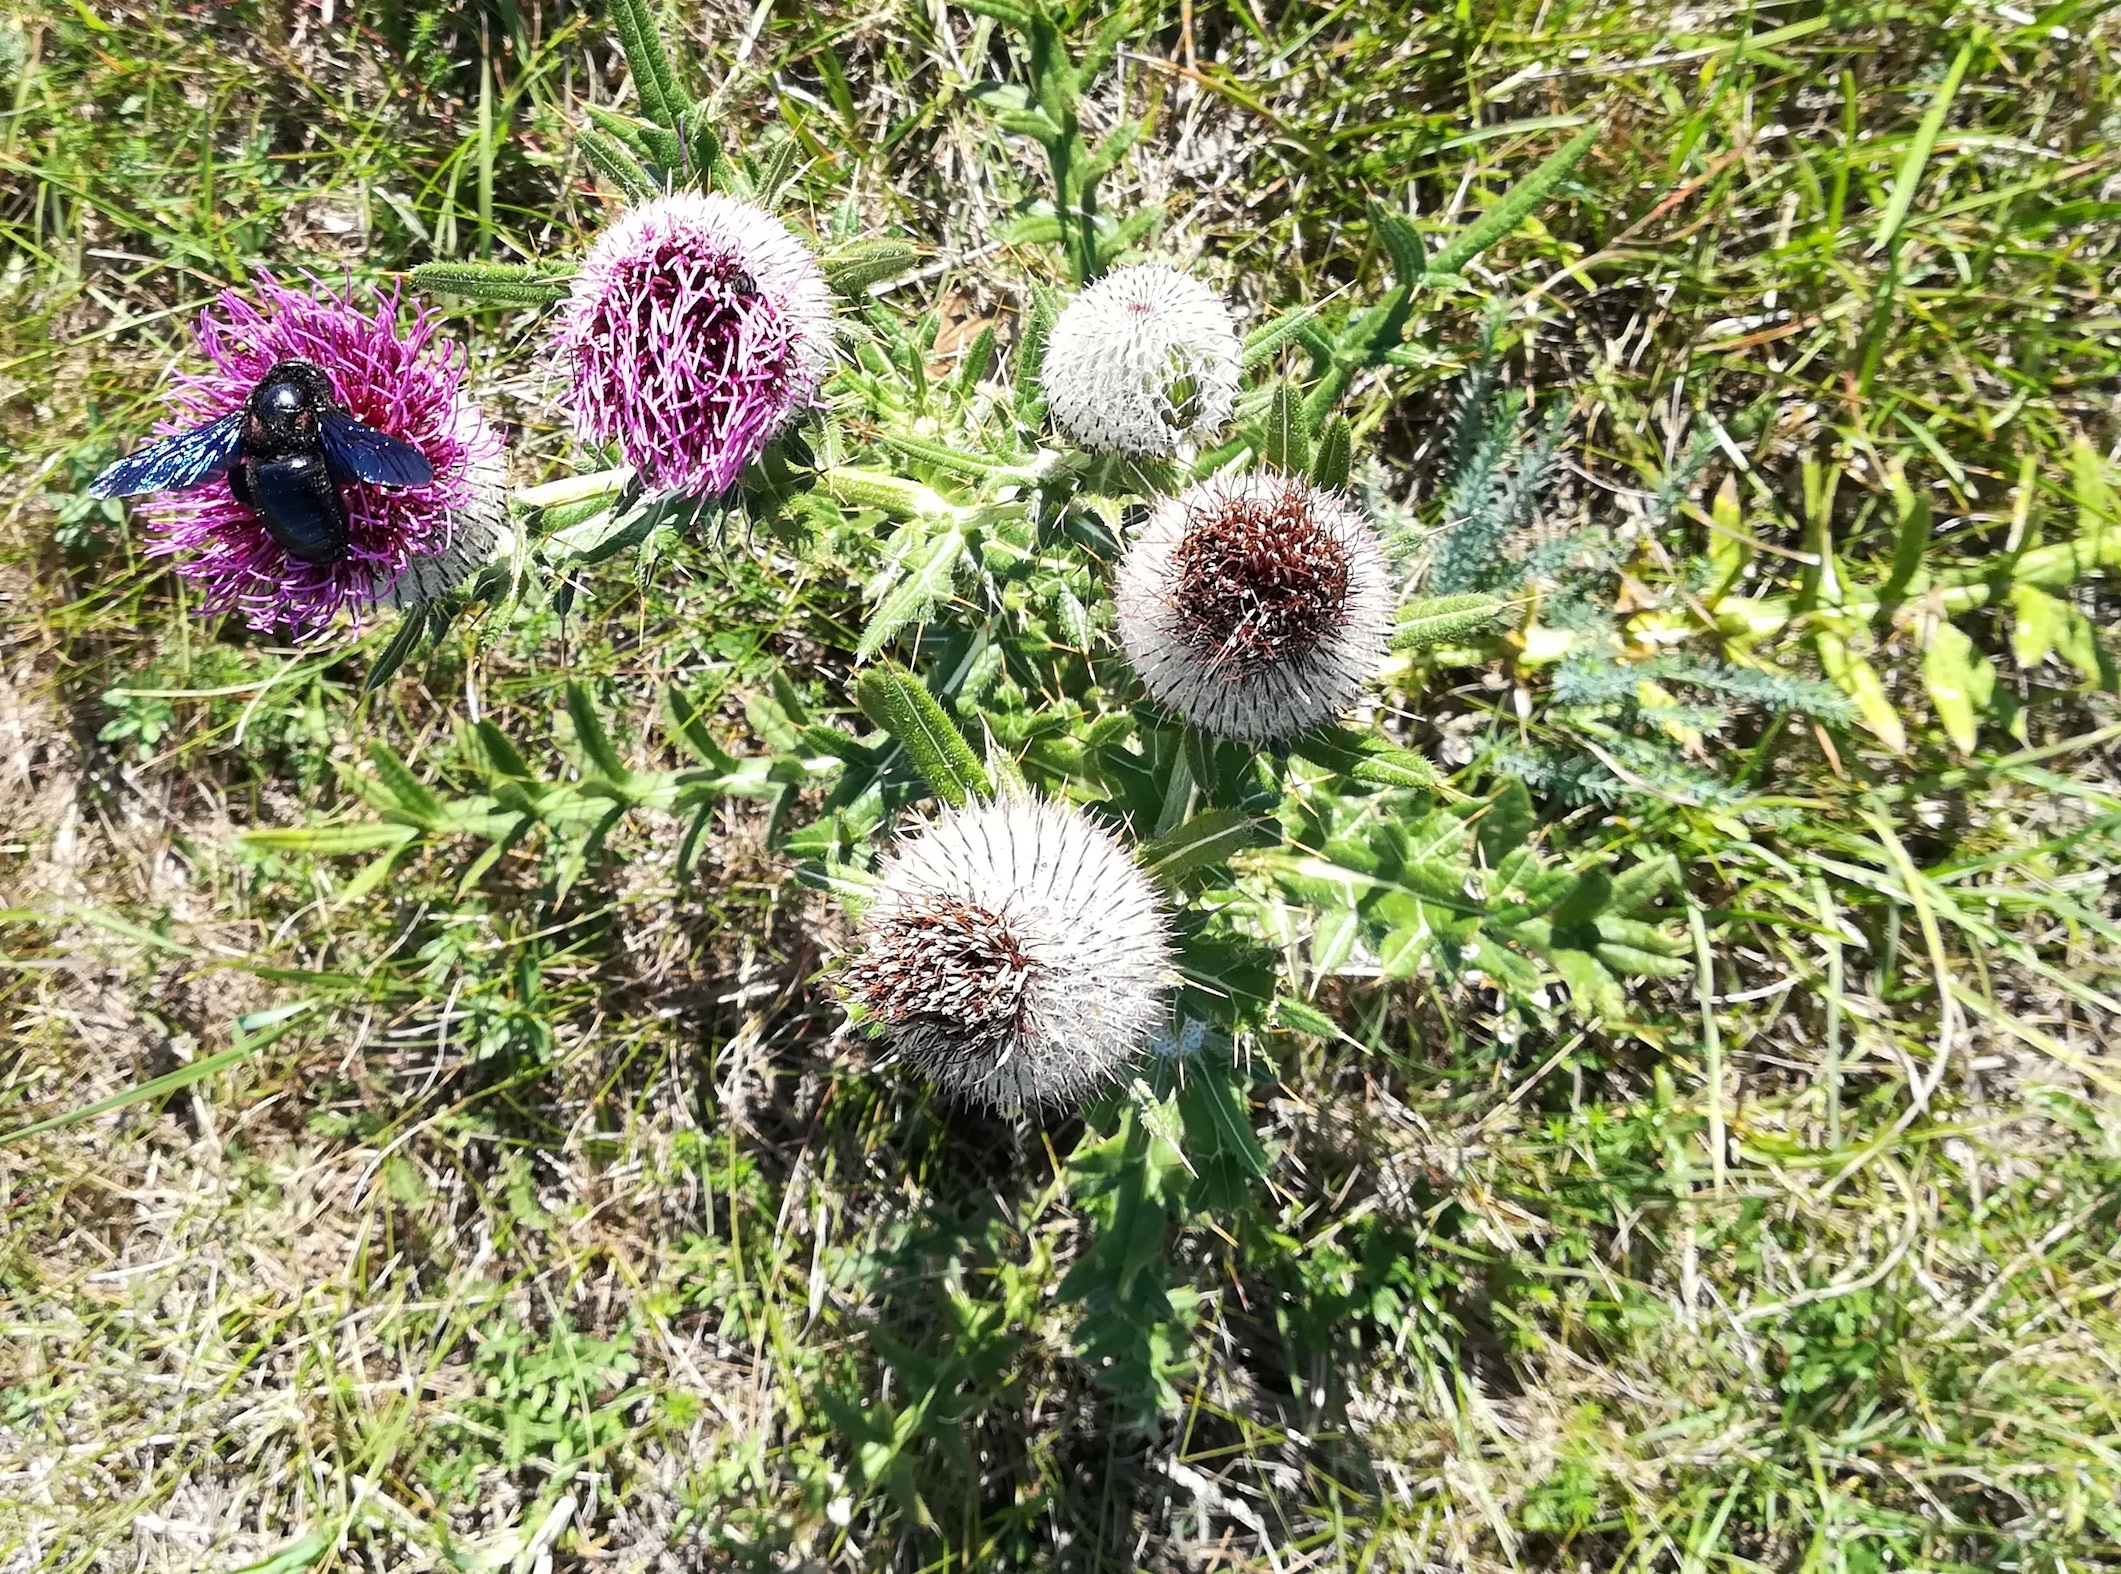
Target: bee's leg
x=239 y=484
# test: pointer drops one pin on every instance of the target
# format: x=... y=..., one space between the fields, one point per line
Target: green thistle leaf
x=1365 y=757
x=853 y=268
x=1271 y=335
x=494 y=283
x=595 y=741
x=925 y=587
x=1287 y=443
x=1336 y=454
x=611 y=159
x=1206 y=840
x=654 y=78
x=1402 y=242
x=1516 y=206
x=703 y=146
x=1443 y=620
x=412 y=629
x=900 y=703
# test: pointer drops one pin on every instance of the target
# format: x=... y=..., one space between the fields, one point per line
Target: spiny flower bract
x=696 y=330
x=403 y=382
x=483 y=536
x=1143 y=359
x=1256 y=606
x=1016 y=953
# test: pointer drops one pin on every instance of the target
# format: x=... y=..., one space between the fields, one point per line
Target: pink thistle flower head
x=404 y=384
x=698 y=328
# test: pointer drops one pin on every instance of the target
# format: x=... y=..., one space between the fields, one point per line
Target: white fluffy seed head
x=1143 y=359
x=1256 y=606
x=1015 y=953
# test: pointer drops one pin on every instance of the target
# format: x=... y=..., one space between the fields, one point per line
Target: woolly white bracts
x=482 y=535
x=1256 y=606
x=1016 y=953
x=1143 y=359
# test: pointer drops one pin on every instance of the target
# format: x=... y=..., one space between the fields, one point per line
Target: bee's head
x=289 y=401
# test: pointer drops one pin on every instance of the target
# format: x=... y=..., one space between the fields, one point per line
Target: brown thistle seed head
x=1015 y=952
x=945 y=961
x=1260 y=581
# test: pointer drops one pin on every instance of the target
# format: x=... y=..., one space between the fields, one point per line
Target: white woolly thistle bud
x=483 y=536
x=1142 y=360
x=1256 y=606
x=1015 y=953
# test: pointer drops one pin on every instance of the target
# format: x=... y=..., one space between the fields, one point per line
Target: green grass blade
x=281 y=1021
x=1908 y=181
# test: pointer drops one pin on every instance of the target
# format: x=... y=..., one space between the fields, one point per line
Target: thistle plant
x=1142 y=361
x=1256 y=606
x=1004 y=813
x=1015 y=952
x=697 y=329
x=1121 y=779
x=1046 y=108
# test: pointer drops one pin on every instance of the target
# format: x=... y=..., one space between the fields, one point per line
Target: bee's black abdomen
x=299 y=504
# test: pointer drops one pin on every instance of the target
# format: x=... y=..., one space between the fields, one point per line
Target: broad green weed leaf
x=1960 y=681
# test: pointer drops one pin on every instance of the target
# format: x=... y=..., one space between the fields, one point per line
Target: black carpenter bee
x=286 y=453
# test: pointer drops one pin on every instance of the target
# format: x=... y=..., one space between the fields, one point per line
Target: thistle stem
x=893 y=494
x=576 y=489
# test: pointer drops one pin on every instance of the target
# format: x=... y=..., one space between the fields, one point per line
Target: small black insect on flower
x=286 y=453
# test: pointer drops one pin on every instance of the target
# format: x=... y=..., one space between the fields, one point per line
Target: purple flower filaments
x=403 y=383
x=697 y=329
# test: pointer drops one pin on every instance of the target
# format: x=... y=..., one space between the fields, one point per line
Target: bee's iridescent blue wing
x=176 y=464
x=361 y=453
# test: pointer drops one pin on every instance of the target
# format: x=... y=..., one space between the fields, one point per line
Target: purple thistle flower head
x=697 y=329
x=404 y=384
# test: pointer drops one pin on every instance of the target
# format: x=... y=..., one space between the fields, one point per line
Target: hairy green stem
x=893 y=494
x=576 y=488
